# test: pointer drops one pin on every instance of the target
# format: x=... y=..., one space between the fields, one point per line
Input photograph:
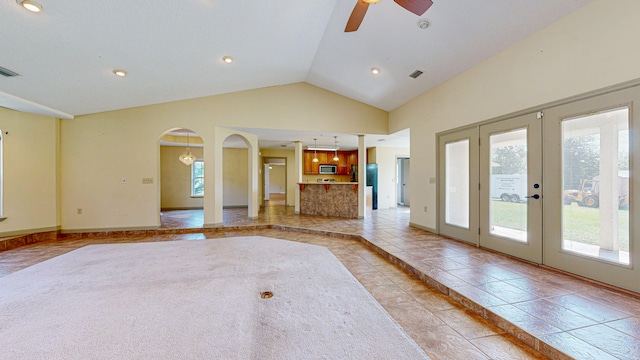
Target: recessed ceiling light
x=227 y=59
x=423 y=23
x=30 y=5
x=375 y=71
x=120 y=73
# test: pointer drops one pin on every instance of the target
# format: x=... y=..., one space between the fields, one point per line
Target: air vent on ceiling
x=7 y=72
x=416 y=73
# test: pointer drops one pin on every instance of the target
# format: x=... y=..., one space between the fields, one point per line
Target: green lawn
x=581 y=224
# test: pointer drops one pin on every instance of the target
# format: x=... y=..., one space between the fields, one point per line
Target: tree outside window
x=197 y=178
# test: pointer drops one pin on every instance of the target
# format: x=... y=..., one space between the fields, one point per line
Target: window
x=596 y=152
x=197 y=178
x=457 y=183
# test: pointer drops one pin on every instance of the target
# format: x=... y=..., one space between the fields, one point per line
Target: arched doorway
x=235 y=176
x=227 y=175
x=181 y=179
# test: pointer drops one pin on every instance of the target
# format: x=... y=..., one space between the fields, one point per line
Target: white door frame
x=616 y=274
x=531 y=248
x=466 y=233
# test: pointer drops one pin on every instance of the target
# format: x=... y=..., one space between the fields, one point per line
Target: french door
x=554 y=187
x=511 y=187
x=590 y=174
x=458 y=196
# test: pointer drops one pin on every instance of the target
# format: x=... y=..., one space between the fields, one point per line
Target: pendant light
x=315 y=152
x=335 y=150
x=187 y=157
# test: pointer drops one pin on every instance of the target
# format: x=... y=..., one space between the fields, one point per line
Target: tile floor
x=456 y=301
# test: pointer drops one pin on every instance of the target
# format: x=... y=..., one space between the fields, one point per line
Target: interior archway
x=236 y=175
x=181 y=181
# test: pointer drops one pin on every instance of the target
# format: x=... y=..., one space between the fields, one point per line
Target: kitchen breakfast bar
x=339 y=199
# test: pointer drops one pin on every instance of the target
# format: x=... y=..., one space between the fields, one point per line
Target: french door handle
x=535 y=196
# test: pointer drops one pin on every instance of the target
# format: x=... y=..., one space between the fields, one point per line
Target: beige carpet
x=195 y=300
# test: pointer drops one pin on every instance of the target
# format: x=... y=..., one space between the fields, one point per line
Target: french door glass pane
x=595 y=168
x=508 y=206
x=457 y=183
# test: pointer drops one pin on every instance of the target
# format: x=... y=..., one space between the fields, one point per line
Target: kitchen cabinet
x=345 y=160
x=343 y=164
x=352 y=160
x=308 y=163
x=322 y=158
x=311 y=167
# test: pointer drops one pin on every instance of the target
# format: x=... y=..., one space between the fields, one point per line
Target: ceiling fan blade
x=356 y=16
x=417 y=7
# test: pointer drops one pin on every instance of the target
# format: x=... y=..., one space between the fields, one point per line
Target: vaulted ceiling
x=172 y=50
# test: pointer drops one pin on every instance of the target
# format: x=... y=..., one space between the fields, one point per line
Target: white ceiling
x=173 y=50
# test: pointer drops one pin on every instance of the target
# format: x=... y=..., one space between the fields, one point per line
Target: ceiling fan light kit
x=417 y=7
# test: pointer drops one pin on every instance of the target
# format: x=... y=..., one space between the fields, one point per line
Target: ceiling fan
x=417 y=7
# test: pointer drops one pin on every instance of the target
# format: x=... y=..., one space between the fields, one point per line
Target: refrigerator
x=372 y=180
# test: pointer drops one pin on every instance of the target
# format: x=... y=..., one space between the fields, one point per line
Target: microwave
x=328 y=169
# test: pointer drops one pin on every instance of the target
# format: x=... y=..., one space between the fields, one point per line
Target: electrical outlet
x=79 y=211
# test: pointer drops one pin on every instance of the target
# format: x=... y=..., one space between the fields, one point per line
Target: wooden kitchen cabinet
x=343 y=163
x=352 y=160
x=322 y=158
x=308 y=162
x=345 y=160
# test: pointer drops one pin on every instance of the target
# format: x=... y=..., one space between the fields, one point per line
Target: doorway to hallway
x=403 y=183
x=274 y=188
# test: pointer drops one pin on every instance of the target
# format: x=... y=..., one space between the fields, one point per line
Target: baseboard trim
x=426 y=228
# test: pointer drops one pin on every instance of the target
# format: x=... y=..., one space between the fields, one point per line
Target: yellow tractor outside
x=589 y=193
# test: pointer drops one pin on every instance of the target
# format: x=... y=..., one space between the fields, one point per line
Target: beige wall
x=235 y=178
x=590 y=49
x=277 y=179
x=99 y=150
x=175 y=179
x=30 y=172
